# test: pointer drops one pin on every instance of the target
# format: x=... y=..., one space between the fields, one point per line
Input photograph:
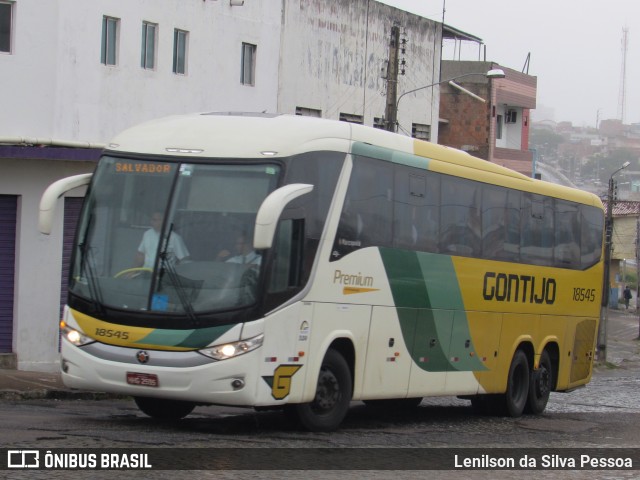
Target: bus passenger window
x=567 y=235
x=460 y=217
x=591 y=227
x=367 y=210
x=416 y=210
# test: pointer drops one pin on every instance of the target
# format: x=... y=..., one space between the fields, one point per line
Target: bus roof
x=256 y=135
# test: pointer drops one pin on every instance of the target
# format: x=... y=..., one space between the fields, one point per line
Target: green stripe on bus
x=394 y=156
x=430 y=309
x=197 y=338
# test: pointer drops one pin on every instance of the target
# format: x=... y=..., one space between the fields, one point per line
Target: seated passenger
x=245 y=254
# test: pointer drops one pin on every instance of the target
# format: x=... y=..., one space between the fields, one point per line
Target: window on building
x=351 y=118
x=420 y=131
x=180 y=51
x=148 y=54
x=248 y=67
x=498 y=127
x=6 y=20
x=308 y=112
x=108 y=55
x=378 y=122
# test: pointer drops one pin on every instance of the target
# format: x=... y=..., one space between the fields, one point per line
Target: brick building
x=496 y=130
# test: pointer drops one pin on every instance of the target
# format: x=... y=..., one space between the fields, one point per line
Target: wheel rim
x=542 y=384
x=327 y=392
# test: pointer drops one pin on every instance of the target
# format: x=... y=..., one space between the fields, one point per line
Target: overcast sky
x=575 y=46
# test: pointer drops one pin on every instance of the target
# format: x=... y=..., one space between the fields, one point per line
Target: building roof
x=623 y=208
x=451 y=32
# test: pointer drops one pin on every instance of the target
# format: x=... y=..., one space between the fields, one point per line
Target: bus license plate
x=142 y=379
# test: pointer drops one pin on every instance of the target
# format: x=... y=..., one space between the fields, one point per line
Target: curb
x=58 y=394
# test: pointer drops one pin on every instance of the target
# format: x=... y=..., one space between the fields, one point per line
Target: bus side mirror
x=52 y=194
x=270 y=210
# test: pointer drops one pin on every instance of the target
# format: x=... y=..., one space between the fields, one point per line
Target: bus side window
x=567 y=233
x=494 y=220
x=538 y=239
x=460 y=222
x=416 y=209
x=591 y=229
x=368 y=208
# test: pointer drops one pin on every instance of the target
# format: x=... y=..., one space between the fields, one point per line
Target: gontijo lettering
x=509 y=287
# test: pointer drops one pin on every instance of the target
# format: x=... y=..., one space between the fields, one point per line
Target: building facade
x=334 y=63
x=497 y=129
x=76 y=72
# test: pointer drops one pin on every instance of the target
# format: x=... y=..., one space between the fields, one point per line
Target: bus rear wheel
x=163 y=409
x=515 y=398
x=333 y=395
x=540 y=385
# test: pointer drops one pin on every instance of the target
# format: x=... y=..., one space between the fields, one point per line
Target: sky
x=575 y=47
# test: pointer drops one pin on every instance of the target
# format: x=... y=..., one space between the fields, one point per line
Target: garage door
x=8 y=209
x=72 y=207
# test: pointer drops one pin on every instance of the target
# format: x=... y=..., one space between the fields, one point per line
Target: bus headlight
x=74 y=336
x=233 y=349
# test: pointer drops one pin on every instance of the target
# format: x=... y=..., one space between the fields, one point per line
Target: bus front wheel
x=333 y=395
x=164 y=409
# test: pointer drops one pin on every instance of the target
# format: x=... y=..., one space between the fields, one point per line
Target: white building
x=76 y=72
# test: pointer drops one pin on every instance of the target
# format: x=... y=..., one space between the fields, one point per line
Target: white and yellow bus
x=308 y=263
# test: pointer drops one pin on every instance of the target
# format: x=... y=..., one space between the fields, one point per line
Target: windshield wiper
x=165 y=264
x=87 y=269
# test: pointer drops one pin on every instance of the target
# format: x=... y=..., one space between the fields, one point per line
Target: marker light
x=233 y=349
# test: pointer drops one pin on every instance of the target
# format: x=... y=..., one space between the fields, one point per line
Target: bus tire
x=515 y=398
x=333 y=396
x=540 y=385
x=163 y=409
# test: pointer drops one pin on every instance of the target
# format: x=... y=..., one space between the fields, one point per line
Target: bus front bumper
x=191 y=377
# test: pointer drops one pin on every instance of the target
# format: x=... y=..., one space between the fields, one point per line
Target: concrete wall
x=333 y=53
x=38 y=259
x=624 y=237
x=58 y=87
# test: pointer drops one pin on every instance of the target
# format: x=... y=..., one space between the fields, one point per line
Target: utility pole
x=606 y=286
x=608 y=247
x=391 y=110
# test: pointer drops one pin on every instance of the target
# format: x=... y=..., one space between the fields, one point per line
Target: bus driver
x=146 y=254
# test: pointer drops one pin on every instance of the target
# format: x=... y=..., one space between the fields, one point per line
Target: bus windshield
x=171 y=237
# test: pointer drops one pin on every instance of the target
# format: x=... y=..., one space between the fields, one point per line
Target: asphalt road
x=604 y=414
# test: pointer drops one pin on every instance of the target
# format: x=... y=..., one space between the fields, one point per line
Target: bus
x=280 y=261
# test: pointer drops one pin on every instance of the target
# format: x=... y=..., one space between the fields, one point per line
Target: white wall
x=55 y=86
x=333 y=52
x=38 y=259
x=511 y=132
